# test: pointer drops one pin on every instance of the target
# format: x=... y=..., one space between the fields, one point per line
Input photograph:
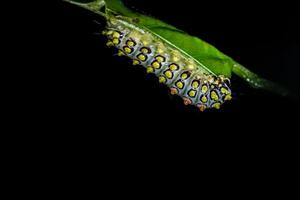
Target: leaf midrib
x=168 y=42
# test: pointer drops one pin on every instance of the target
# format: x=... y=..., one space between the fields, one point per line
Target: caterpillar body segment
x=180 y=73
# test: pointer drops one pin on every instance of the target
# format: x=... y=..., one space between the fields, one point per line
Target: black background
x=98 y=108
x=79 y=92
x=82 y=78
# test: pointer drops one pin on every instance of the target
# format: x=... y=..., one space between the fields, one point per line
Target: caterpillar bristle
x=149 y=70
x=173 y=91
x=136 y=62
x=196 y=87
x=121 y=53
x=186 y=101
x=202 y=108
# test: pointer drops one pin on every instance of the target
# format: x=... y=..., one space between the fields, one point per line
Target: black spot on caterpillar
x=180 y=73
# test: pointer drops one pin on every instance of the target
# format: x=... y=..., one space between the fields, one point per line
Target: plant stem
x=94 y=6
x=256 y=82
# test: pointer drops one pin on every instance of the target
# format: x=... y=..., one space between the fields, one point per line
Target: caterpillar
x=178 y=71
x=191 y=68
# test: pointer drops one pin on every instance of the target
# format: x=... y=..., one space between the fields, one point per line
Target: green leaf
x=205 y=54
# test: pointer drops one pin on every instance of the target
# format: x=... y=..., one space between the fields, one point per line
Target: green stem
x=256 y=82
x=94 y=6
